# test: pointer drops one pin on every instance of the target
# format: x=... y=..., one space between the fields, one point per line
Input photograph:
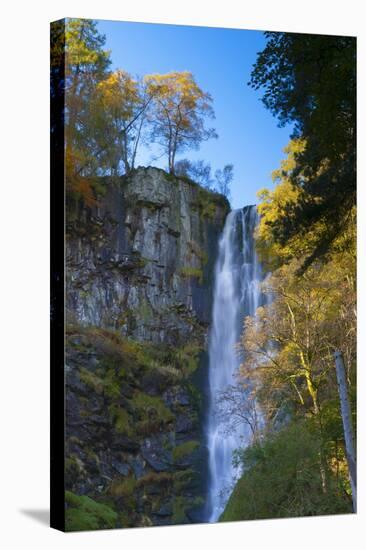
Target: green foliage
x=310 y=81
x=83 y=513
x=282 y=478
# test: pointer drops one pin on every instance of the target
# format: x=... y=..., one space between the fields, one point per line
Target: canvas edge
x=57 y=272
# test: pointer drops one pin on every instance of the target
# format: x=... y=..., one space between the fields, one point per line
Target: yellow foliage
x=275 y=206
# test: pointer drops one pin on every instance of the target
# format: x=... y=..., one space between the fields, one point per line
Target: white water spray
x=236 y=295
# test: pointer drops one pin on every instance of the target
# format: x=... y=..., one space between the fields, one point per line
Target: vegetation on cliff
x=133 y=436
x=109 y=114
x=141 y=245
x=306 y=239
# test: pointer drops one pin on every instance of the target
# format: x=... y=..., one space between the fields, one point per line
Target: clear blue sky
x=221 y=61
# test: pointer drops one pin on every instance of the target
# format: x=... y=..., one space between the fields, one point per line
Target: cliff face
x=141 y=262
x=138 y=298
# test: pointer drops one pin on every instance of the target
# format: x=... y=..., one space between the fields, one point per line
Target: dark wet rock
x=123 y=443
x=130 y=259
x=156 y=454
x=184 y=424
x=120 y=467
x=138 y=466
x=165 y=510
x=177 y=396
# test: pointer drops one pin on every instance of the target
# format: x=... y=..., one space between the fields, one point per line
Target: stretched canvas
x=203 y=316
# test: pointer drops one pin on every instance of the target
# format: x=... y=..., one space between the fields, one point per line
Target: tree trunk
x=347 y=425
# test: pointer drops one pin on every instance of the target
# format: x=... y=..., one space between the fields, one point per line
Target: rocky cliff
x=138 y=301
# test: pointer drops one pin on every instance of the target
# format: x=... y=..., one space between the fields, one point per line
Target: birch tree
x=178 y=113
x=118 y=109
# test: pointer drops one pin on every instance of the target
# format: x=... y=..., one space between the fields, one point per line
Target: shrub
x=282 y=479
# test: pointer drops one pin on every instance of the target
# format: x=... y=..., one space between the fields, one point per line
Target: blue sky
x=221 y=61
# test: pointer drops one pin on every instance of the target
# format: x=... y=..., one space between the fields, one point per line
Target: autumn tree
x=178 y=113
x=309 y=81
x=86 y=64
x=118 y=110
x=273 y=206
x=288 y=347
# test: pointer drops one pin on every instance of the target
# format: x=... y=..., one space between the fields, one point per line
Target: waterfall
x=236 y=295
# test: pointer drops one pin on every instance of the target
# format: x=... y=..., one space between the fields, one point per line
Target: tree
x=86 y=64
x=347 y=425
x=289 y=346
x=198 y=171
x=223 y=179
x=288 y=349
x=310 y=82
x=178 y=112
x=118 y=114
x=235 y=406
x=274 y=206
x=281 y=478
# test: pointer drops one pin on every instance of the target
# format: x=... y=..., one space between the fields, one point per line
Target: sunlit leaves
x=178 y=113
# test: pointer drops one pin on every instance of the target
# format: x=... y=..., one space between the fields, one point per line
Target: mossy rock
x=150 y=407
x=83 y=514
x=188 y=272
x=182 y=453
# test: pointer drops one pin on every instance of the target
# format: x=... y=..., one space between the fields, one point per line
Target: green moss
x=91 y=380
x=182 y=478
x=179 y=510
x=122 y=487
x=188 y=272
x=73 y=469
x=198 y=252
x=156 y=478
x=148 y=406
x=121 y=419
x=207 y=202
x=112 y=387
x=144 y=311
x=187 y=358
x=83 y=513
x=184 y=450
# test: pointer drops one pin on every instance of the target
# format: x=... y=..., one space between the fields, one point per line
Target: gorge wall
x=138 y=303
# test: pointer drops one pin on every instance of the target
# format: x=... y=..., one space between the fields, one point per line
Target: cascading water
x=236 y=295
